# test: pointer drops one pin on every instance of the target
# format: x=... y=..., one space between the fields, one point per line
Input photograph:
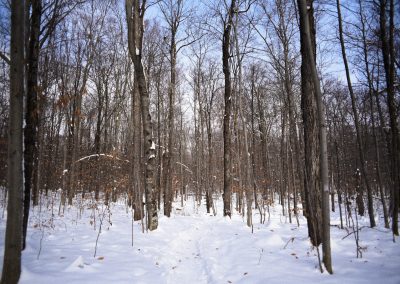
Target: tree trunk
x=210 y=190
x=171 y=102
x=13 y=237
x=309 y=59
x=248 y=173
x=356 y=122
x=159 y=151
x=253 y=143
x=137 y=193
x=32 y=109
x=388 y=62
x=226 y=42
x=264 y=147
x=311 y=147
x=283 y=160
x=135 y=10
x=374 y=135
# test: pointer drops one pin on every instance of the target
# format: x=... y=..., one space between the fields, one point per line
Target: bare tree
x=309 y=59
x=356 y=121
x=371 y=91
x=389 y=67
x=44 y=17
x=226 y=44
x=135 y=10
x=175 y=14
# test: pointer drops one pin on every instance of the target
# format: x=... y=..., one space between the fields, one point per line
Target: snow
x=99 y=155
x=193 y=247
x=185 y=166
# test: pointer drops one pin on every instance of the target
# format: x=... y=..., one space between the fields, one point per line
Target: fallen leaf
x=100 y=258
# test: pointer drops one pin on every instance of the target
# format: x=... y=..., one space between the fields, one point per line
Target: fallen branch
x=101 y=155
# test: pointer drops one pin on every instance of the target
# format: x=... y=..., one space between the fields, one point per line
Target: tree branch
x=5 y=58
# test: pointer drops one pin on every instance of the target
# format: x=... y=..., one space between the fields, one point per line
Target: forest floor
x=195 y=247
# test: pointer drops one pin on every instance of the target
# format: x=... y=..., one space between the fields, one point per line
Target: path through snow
x=195 y=247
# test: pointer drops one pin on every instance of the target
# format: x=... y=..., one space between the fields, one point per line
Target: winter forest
x=199 y=141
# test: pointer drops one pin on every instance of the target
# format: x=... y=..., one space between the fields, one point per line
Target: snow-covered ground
x=194 y=247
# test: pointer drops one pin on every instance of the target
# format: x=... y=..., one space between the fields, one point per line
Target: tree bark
x=248 y=173
x=312 y=194
x=31 y=117
x=137 y=193
x=388 y=62
x=264 y=147
x=135 y=10
x=226 y=42
x=171 y=102
x=308 y=55
x=13 y=237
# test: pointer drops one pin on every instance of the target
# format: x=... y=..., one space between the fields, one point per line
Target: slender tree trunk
x=32 y=109
x=253 y=145
x=248 y=167
x=388 y=62
x=210 y=190
x=339 y=186
x=75 y=144
x=264 y=147
x=356 y=122
x=159 y=148
x=293 y=139
x=283 y=160
x=171 y=102
x=374 y=135
x=182 y=178
x=288 y=185
x=97 y=139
